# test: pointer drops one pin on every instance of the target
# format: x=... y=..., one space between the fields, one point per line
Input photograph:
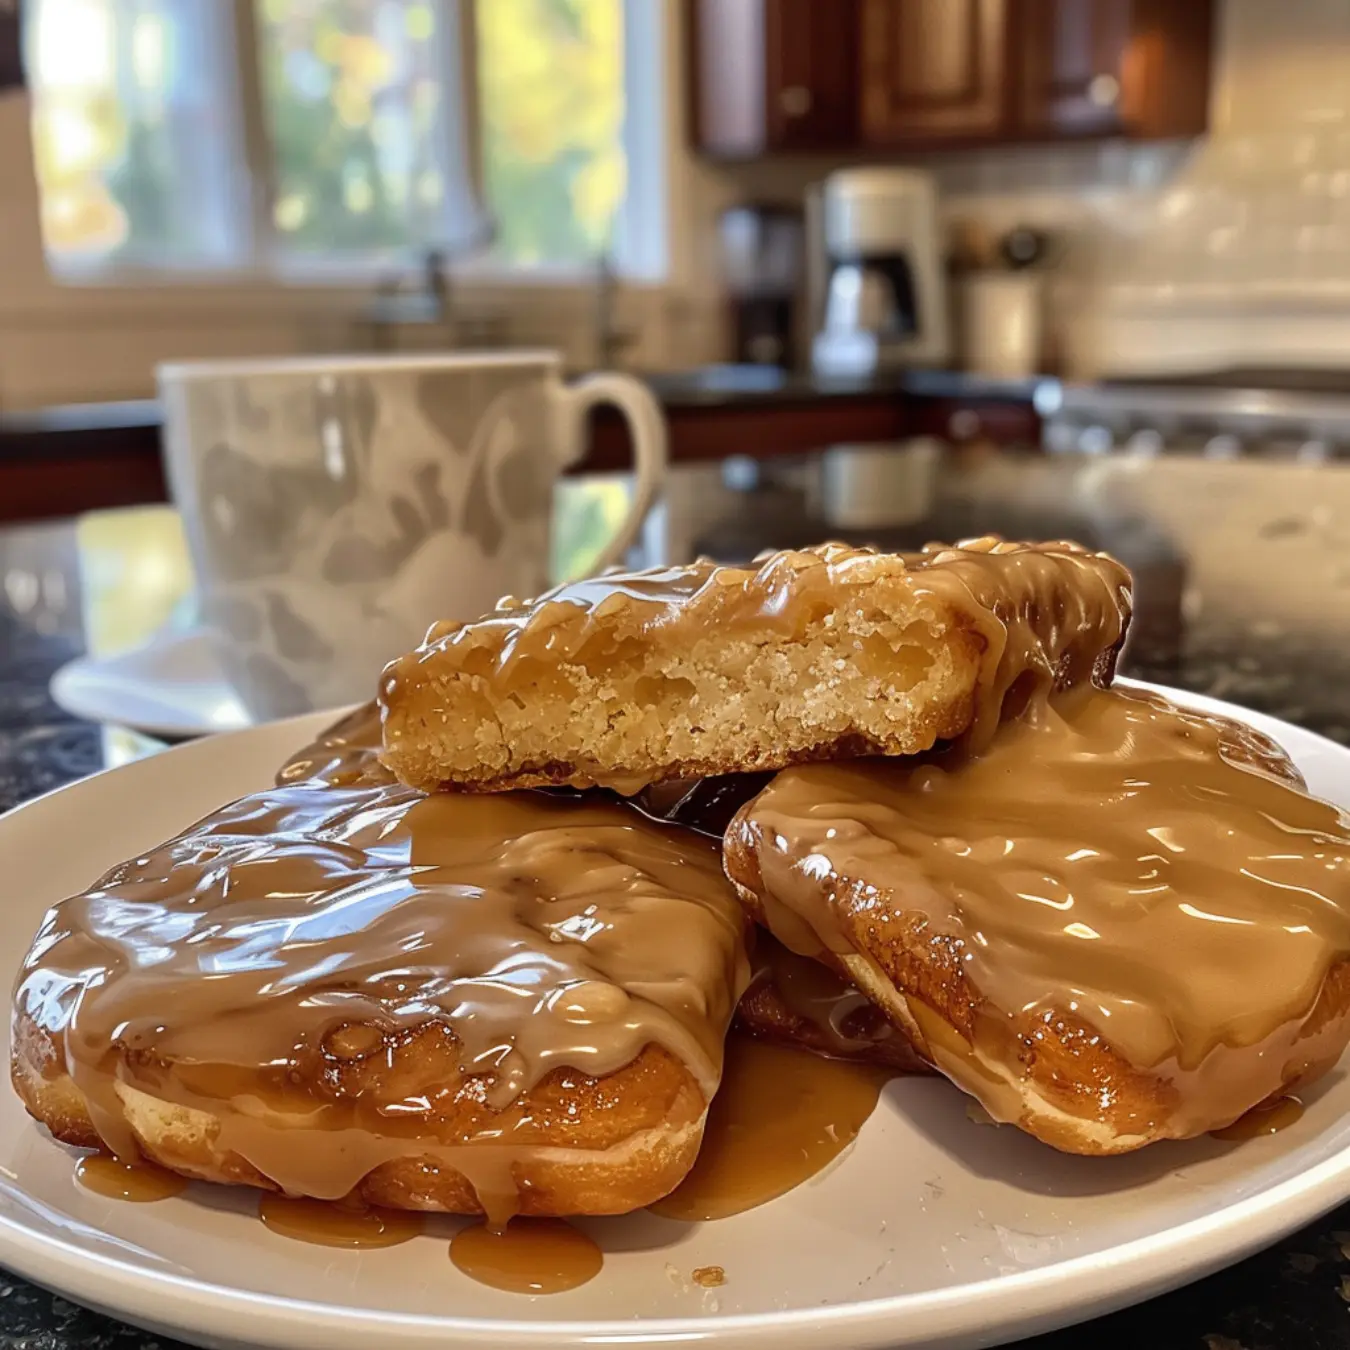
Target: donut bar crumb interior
x=825 y=653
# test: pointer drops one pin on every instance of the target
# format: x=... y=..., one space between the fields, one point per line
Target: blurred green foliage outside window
x=151 y=151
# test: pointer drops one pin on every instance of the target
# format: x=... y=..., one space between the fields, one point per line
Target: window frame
x=642 y=251
x=92 y=272
x=642 y=246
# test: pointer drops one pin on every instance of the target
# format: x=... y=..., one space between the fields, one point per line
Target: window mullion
x=460 y=146
x=470 y=107
x=258 y=190
x=640 y=235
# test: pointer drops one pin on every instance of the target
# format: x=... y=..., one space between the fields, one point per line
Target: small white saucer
x=172 y=687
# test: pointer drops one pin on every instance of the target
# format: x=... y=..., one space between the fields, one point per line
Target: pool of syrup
x=1268 y=1118
x=337 y=1225
x=529 y=1256
x=780 y=1117
x=139 y=1182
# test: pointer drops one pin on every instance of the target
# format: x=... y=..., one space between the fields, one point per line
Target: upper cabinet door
x=933 y=71
x=811 y=74
x=1072 y=58
x=1112 y=67
x=774 y=75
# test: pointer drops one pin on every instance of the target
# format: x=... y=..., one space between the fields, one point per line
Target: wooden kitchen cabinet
x=852 y=76
x=1111 y=68
x=932 y=71
x=1070 y=58
x=774 y=75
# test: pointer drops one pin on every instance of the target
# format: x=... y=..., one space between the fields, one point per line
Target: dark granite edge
x=77 y=427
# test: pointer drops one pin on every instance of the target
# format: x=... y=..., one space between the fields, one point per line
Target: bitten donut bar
x=682 y=672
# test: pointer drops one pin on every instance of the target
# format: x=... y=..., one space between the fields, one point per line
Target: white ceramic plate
x=931 y=1231
x=173 y=686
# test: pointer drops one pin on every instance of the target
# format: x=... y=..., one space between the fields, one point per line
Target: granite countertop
x=27 y=431
x=1259 y=398
x=1244 y=593
x=66 y=428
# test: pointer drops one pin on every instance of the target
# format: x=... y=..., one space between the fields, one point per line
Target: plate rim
x=1009 y=1305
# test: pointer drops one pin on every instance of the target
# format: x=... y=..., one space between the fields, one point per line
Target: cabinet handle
x=795 y=100
x=1103 y=90
x=963 y=425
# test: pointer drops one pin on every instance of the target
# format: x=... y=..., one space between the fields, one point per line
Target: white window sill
x=139 y=299
x=330 y=270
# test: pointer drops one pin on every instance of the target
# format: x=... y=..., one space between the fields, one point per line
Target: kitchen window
x=317 y=139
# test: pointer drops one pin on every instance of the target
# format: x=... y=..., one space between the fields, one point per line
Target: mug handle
x=646 y=424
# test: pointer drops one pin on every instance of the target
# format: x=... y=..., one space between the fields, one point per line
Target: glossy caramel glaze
x=706 y=805
x=1113 y=877
x=802 y=1002
x=347 y=754
x=1049 y=617
x=780 y=1118
x=994 y=583
x=969 y=626
x=136 y=1181
x=328 y=1224
x=529 y=1256
x=263 y=965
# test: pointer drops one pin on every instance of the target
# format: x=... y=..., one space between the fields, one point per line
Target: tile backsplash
x=1243 y=257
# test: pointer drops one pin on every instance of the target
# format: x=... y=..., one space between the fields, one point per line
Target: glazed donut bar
x=1121 y=923
x=469 y=1004
x=826 y=653
x=889 y=805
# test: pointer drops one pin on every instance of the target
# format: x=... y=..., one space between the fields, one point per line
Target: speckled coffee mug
x=335 y=507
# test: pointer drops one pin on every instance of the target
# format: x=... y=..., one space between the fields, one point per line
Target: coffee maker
x=761 y=248
x=880 y=296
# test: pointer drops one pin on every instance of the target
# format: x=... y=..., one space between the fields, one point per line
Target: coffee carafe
x=882 y=301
